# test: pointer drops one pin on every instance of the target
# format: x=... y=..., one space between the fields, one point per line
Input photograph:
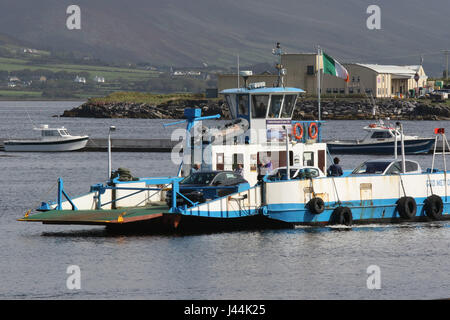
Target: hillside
x=189 y=33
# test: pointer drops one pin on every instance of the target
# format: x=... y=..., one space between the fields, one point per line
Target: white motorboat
x=51 y=140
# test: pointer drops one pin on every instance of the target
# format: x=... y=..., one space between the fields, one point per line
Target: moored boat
x=381 y=138
x=51 y=140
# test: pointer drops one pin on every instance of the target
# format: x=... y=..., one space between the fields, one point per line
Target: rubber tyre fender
x=316 y=205
x=342 y=215
x=407 y=207
x=434 y=207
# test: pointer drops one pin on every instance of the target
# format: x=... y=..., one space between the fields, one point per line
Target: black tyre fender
x=316 y=205
x=407 y=207
x=342 y=215
x=433 y=207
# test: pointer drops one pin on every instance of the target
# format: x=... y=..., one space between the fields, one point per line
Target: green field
x=16 y=94
x=110 y=73
x=147 y=98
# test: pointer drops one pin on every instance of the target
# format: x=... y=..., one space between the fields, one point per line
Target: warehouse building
x=381 y=81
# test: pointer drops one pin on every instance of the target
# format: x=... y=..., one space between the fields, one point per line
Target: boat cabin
x=49 y=133
x=265 y=135
x=380 y=132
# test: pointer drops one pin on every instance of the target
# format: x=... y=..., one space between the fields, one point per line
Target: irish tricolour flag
x=331 y=66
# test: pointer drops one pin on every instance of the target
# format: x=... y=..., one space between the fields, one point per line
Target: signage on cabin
x=276 y=129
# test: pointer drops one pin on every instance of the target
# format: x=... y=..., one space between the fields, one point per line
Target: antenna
x=29 y=118
x=281 y=72
x=238 y=76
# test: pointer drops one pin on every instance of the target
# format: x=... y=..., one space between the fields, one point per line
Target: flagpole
x=318 y=79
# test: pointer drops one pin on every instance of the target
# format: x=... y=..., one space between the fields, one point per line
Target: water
x=302 y=263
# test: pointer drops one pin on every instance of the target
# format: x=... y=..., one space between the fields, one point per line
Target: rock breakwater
x=339 y=109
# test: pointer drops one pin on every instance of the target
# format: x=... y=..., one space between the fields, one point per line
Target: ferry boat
x=265 y=138
x=381 y=138
x=51 y=140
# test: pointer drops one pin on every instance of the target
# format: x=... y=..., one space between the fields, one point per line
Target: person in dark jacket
x=335 y=169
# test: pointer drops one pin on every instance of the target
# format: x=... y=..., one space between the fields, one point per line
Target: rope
x=45 y=196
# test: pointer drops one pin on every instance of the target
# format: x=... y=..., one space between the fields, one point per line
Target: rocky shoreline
x=339 y=109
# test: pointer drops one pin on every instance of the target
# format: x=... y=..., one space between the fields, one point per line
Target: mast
x=319 y=54
x=281 y=72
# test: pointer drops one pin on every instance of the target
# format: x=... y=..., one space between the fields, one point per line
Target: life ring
x=313 y=127
x=433 y=207
x=407 y=207
x=316 y=205
x=342 y=216
x=294 y=131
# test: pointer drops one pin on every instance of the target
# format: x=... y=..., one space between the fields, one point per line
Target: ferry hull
x=418 y=146
x=297 y=214
x=370 y=198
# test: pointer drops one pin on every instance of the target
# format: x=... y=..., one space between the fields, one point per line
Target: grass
x=110 y=73
x=147 y=98
x=10 y=94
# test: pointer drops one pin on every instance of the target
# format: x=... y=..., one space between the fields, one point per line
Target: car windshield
x=372 y=167
x=307 y=173
x=202 y=178
x=280 y=174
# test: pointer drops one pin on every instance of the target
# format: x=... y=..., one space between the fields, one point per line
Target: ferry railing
x=304 y=132
x=174 y=208
x=100 y=189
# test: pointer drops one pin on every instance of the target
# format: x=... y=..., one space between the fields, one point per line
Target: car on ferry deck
x=212 y=181
x=296 y=172
x=386 y=167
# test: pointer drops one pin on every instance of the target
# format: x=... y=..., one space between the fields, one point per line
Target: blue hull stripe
x=376 y=209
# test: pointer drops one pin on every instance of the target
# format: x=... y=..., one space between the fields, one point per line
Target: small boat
x=381 y=139
x=51 y=140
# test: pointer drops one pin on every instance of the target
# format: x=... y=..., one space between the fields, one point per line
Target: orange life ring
x=313 y=126
x=294 y=131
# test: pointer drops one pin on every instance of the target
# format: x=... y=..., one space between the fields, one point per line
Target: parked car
x=386 y=167
x=296 y=172
x=212 y=181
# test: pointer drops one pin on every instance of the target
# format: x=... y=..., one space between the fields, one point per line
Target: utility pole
x=446 y=52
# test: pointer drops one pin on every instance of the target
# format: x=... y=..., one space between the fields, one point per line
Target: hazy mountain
x=188 y=33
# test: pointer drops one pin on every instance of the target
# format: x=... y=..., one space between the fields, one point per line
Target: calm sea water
x=302 y=263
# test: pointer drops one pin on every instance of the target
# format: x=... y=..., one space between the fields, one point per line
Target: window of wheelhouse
x=288 y=106
x=259 y=106
x=243 y=104
x=275 y=106
x=231 y=101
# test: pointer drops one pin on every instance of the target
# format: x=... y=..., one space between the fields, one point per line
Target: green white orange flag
x=331 y=66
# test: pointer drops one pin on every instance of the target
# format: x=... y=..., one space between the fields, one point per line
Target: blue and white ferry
x=261 y=136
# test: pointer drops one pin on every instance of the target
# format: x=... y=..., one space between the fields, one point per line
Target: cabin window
x=381 y=135
x=232 y=105
x=308 y=158
x=238 y=159
x=220 y=161
x=50 y=133
x=243 y=104
x=288 y=106
x=275 y=106
x=259 y=106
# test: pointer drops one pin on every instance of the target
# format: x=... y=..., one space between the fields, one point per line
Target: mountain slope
x=187 y=33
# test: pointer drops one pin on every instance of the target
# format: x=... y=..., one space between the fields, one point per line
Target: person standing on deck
x=335 y=170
